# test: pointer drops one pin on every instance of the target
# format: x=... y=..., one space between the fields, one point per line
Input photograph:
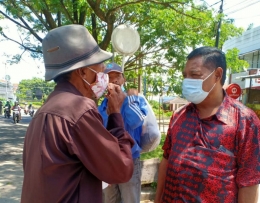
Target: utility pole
x=219 y=24
x=6 y=83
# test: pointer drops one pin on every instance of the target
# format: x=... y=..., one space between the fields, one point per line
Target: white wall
x=248 y=42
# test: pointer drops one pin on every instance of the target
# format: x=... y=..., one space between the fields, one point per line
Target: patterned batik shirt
x=210 y=159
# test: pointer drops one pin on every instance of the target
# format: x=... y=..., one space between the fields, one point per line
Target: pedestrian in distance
x=133 y=111
x=1 y=107
x=7 y=110
x=211 y=152
x=67 y=150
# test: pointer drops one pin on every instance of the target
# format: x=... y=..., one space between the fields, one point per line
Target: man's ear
x=80 y=72
x=219 y=73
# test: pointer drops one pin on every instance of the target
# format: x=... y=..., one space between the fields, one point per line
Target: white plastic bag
x=151 y=135
x=104 y=185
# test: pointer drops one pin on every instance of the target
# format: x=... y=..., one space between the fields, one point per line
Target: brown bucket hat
x=68 y=48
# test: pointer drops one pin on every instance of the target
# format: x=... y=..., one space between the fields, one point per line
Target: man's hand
x=132 y=92
x=115 y=98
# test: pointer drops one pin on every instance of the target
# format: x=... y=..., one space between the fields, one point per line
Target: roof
x=248 y=76
x=177 y=100
x=165 y=99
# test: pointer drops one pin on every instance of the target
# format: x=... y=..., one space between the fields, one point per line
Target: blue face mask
x=192 y=89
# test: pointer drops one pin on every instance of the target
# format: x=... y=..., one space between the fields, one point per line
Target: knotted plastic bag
x=151 y=135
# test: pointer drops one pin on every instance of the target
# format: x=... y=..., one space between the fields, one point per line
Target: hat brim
x=96 y=58
x=109 y=71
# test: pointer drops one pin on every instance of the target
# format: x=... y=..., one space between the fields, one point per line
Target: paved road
x=11 y=144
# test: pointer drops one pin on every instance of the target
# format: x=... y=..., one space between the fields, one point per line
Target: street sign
x=7 y=77
x=233 y=90
x=38 y=93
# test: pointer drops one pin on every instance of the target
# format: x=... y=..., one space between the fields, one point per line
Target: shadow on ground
x=11 y=147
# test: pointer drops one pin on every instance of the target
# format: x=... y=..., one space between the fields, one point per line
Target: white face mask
x=100 y=85
x=192 y=89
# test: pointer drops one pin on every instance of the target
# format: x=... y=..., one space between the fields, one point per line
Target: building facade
x=249 y=50
x=6 y=90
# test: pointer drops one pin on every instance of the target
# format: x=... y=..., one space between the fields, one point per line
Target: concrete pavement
x=11 y=145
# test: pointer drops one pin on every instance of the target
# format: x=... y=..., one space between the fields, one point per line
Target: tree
x=234 y=64
x=168 y=30
x=34 y=89
x=175 y=36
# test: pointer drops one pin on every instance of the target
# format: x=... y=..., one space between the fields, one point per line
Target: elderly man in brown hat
x=67 y=151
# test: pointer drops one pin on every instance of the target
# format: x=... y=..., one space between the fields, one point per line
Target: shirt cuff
x=115 y=120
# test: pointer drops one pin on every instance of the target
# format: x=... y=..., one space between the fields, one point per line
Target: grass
x=157 y=153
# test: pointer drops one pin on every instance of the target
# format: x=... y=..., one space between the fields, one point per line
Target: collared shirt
x=68 y=151
x=210 y=159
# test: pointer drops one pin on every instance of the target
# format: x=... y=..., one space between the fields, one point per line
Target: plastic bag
x=151 y=135
x=104 y=185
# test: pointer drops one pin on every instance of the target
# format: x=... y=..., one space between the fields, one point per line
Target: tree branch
x=36 y=14
x=141 y=1
x=106 y=41
x=25 y=26
x=65 y=11
x=94 y=26
x=22 y=45
x=48 y=16
x=96 y=8
x=83 y=13
x=16 y=22
x=31 y=30
x=75 y=12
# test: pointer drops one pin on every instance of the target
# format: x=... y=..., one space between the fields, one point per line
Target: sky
x=243 y=12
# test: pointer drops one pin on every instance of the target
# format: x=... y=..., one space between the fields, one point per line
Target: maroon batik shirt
x=210 y=159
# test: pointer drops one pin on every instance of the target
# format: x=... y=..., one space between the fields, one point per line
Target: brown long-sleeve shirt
x=68 y=151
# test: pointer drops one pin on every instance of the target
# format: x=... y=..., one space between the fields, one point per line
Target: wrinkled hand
x=115 y=98
x=132 y=92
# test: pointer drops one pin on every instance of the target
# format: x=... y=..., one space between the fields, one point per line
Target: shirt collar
x=67 y=87
x=222 y=114
x=223 y=111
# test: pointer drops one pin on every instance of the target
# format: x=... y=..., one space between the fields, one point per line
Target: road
x=11 y=145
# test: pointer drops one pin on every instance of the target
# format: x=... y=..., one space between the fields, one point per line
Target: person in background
x=1 y=107
x=8 y=106
x=211 y=152
x=133 y=110
x=26 y=109
x=67 y=151
x=16 y=107
x=31 y=110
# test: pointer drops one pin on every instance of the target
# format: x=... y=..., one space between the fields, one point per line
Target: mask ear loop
x=92 y=70
x=209 y=75
x=87 y=81
x=207 y=78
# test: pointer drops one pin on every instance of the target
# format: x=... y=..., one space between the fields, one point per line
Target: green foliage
x=168 y=114
x=253 y=106
x=233 y=62
x=168 y=30
x=157 y=153
x=159 y=111
x=34 y=89
x=154 y=185
x=154 y=104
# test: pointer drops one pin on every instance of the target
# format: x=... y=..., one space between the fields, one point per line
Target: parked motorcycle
x=7 y=112
x=16 y=116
